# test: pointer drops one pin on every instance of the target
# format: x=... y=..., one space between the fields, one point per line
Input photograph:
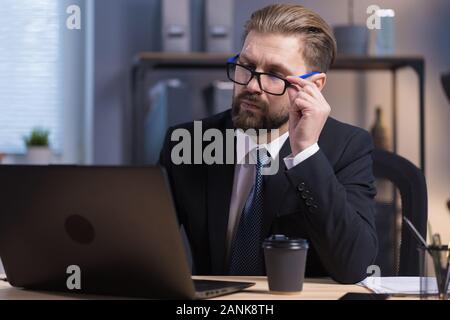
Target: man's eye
x=276 y=74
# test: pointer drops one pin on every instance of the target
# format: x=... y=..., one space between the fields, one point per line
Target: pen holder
x=434 y=272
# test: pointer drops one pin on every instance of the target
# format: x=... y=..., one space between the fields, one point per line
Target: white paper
x=398 y=285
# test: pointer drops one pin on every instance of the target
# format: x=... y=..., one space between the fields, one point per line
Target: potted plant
x=38 y=148
x=351 y=39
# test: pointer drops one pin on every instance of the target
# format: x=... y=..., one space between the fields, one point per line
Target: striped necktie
x=246 y=251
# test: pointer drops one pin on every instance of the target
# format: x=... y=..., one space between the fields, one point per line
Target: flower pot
x=39 y=155
x=352 y=39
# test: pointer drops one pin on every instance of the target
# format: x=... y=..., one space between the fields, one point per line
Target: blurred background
x=104 y=91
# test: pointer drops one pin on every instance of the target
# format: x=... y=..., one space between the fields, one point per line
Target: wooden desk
x=313 y=289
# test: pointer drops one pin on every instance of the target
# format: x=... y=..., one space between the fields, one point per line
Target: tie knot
x=262 y=157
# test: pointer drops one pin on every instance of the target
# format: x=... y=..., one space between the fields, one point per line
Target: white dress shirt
x=244 y=173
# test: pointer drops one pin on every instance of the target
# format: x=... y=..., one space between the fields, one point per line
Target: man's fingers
x=292 y=92
x=306 y=93
x=300 y=105
x=310 y=90
x=303 y=85
x=303 y=105
x=295 y=80
x=298 y=95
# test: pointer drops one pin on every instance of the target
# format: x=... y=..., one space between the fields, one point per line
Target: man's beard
x=245 y=119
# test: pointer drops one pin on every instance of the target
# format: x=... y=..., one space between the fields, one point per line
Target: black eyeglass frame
x=231 y=65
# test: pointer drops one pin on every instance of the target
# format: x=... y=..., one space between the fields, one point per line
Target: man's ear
x=320 y=80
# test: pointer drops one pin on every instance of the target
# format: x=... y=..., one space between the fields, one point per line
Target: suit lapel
x=275 y=189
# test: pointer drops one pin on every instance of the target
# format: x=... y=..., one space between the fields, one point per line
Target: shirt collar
x=246 y=144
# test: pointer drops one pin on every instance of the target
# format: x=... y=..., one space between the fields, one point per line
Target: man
x=323 y=190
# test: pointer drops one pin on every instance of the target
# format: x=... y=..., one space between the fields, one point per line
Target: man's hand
x=308 y=113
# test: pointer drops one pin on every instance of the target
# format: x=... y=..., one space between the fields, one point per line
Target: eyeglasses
x=268 y=82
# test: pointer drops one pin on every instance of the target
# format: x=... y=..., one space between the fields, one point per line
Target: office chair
x=402 y=258
x=445 y=78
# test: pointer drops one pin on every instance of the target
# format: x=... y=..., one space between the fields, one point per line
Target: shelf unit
x=155 y=61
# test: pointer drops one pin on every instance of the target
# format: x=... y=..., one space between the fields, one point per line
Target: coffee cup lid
x=281 y=241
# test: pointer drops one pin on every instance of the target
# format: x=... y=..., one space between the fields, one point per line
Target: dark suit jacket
x=327 y=199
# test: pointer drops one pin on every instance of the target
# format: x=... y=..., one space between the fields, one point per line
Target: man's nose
x=253 y=86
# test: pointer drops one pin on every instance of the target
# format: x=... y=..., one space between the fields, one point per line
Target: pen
x=434 y=252
x=415 y=232
x=448 y=261
x=308 y=75
x=437 y=240
x=447 y=281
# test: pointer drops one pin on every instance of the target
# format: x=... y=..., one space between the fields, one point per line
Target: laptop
x=96 y=230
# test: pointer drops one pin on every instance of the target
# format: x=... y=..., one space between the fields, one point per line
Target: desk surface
x=313 y=289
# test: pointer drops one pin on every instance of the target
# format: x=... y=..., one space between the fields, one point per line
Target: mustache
x=254 y=99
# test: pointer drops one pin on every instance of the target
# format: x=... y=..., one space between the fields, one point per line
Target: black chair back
x=411 y=184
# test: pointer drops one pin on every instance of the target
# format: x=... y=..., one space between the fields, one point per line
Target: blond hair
x=319 y=49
